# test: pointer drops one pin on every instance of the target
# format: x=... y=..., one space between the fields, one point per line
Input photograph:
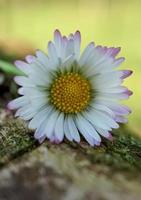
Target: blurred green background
x=107 y=22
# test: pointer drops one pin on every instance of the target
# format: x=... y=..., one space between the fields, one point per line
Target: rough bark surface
x=67 y=171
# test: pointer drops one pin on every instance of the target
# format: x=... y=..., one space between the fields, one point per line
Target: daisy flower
x=65 y=94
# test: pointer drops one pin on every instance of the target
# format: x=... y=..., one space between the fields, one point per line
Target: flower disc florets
x=70 y=93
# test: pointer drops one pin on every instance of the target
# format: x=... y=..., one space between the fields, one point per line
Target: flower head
x=65 y=94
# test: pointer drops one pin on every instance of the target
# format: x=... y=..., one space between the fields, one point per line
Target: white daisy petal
x=26 y=113
x=38 y=66
x=118 y=61
x=42 y=57
x=38 y=102
x=30 y=59
x=86 y=53
x=47 y=126
x=69 y=60
x=67 y=131
x=58 y=42
x=118 y=109
x=121 y=119
x=40 y=117
x=64 y=46
x=108 y=120
x=106 y=81
x=96 y=120
x=24 y=81
x=17 y=103
x=70 y=48
x=41 y=80
x=40 y=133
x=59 y=127
x=103 y=108
x=73 y=130
x=24 y=67
x=52 y=52
x=89 y=139
x=34 y=91
x=87 y=128
x=41 y=139
x=77 y=42
x=104 y=133
x=50 y=125
x=118 y=89
x=92 y=69
x=117 y=96
x=115 y=107
x=21 y=91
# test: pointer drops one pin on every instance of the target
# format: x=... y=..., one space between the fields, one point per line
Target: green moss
x=121 y=155
x=15 y=139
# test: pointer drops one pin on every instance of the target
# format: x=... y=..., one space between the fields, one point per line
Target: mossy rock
x=15 y=139
x=68 y=171
x=123 y=153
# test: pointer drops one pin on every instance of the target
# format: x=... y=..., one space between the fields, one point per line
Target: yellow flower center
x=70 y=93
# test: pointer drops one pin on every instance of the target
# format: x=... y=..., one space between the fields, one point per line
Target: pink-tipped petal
x=16 y=103
x=21 y=91
x=24 y=67
x=65 y=39
x=41 y=139
x=110 y=137
x=54 y=140
x=97 y=143
x=124 y=95
x=99 y=47
x=77 y=35
x=121 y=119
x=126 y=73
x=57 y=36
x=77 y=43
x=127 y=109
x=119 y=109
x=10 y=106
x=71 y=36
x=39 y=133
x=118 y=61
x=128 y=92
x=57 y=33
x=115 y=51
x=30 y=58
x=18 y=80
